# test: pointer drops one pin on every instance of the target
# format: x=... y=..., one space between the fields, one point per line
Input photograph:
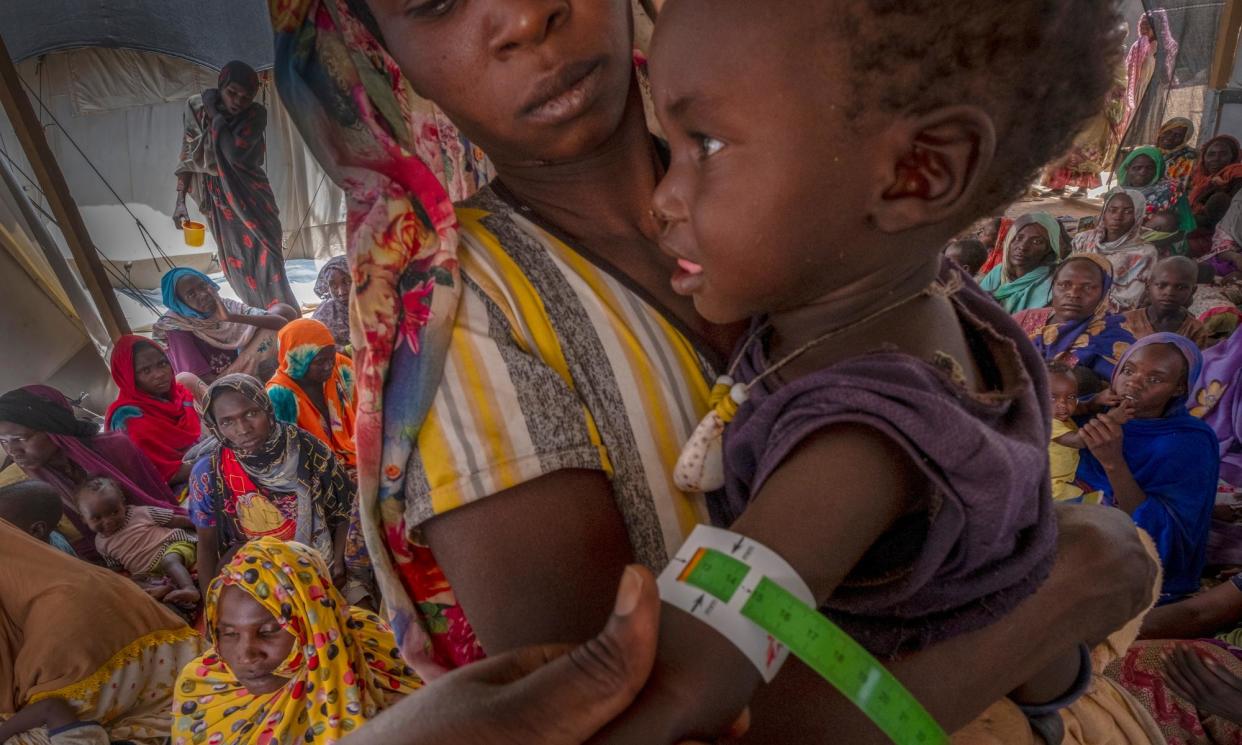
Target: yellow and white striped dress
x=557 y=364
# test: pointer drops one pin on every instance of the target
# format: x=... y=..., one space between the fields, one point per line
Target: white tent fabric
x=124 y=108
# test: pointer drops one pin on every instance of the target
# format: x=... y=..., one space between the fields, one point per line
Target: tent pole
x=1226 y=45
x=65 y=210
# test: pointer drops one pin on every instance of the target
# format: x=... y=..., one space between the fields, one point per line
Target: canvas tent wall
x=116 y=76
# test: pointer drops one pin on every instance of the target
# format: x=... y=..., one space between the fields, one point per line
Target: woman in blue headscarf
x=208 y=336
x=1162 y=465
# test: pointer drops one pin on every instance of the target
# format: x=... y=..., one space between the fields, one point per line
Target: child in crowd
x=1063 y=451
x=1063 y=457
x=34 y=507
x=1163 y=230
x=969 y=254
x=1170 y=291
x=873 y=360
x=141 y=540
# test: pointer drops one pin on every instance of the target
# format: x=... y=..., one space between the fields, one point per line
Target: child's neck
x=1171 y=322
x=922 y=327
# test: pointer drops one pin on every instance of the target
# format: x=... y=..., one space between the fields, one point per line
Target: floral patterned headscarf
x=342 y=667
x=401 y=164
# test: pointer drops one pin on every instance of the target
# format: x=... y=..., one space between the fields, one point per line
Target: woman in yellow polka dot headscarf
x=290 y=661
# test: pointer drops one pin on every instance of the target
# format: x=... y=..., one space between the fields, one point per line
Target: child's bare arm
x=52 y=713
x=180 y=521
x=822 y=529
x=1070 y=440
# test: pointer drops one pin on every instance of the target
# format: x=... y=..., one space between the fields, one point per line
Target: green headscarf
x=1163 y=195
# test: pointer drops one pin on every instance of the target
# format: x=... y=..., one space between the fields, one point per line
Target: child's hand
x=1122 y=412
x=186 y=597
x=1107 y=398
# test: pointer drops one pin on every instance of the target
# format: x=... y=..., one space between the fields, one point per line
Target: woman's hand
x=1105 y=439
x=1210 y=687
x=180 y=212
x=545 y=695
x=221 y=313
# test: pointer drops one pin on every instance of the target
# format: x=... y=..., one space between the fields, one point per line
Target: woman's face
x=319 y=371
x=1171 y=138
x=29 y=448
x=153 y=373
x=1118 y=217
x=1142 y=172
x=1217 y=155
x=1029 y=249
x=1077 y=291
x=197 y=293
x=339 y=284
x=1152 y=377
x=235 y=98
x=251 y=641
x=243 y=424
x=528 y=81
x=1145 y=28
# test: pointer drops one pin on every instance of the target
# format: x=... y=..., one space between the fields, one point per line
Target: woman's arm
x=1105 y=438
x=208 y=557
x=1199 y=616
x=272 y=321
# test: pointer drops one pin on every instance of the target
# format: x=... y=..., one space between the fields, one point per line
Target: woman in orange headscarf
x=314 y=387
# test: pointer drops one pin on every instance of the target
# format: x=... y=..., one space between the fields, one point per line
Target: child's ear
x=38 y=529
x=940 y=161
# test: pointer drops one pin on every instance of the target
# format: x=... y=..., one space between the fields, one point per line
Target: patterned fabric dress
x=224 y=156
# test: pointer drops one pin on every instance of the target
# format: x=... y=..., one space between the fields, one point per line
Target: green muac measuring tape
x=718 y=584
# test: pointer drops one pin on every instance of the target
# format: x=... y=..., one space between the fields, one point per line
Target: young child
x=1063 y=457
x=140 y=540
x=892 y=443
x=969 y=254
x=1170 y=291
x=34 y=507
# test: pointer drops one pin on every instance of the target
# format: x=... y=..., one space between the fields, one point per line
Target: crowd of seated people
x=545 y=409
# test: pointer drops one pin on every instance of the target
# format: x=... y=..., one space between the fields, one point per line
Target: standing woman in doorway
x=222 y=167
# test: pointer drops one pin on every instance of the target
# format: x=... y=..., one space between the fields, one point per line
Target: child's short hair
x=98 y=484
x=1057 y=367
x=28 y=502
x=974 y=253
x=1041 y=69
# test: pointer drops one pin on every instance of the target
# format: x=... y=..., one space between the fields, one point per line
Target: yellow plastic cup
x=195 y=233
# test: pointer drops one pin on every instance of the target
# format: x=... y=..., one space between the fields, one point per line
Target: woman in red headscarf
x=153 y=409
x=222 y=167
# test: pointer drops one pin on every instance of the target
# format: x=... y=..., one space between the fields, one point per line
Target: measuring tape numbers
x=754 y=598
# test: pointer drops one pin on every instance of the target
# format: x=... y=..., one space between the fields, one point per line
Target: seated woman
x=40 y=433
x=1116 y=237
x=1224 y=258
x=208 y=336
x=1189 y=681
x=264 y=479
x=333 y=286
x=1023 y=280
x=84 y=653
x=314 y=387
x=1217 y=171
x=1144 y=169
x=152 y=409
x=1078 y=329
x=291 y=661
x=1176 y=143
x=1161 y=466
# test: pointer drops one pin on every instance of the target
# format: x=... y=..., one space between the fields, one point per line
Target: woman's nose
x=521 y=23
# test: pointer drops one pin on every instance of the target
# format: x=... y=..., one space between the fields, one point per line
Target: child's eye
x=708 y=146
x=431 y=8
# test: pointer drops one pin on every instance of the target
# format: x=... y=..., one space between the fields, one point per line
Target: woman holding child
x=152 y=409
x=562 y=315
x=40 y=433
x=1162 y=465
